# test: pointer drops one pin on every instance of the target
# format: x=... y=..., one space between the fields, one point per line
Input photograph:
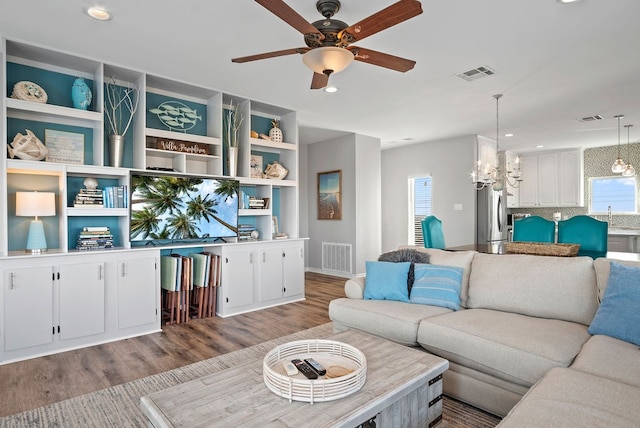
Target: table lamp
x=36 y=204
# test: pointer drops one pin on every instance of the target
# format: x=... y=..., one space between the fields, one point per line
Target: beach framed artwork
x=330 y=195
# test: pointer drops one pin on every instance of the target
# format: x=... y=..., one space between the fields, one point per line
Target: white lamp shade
x=35 y=204
x=327 y=58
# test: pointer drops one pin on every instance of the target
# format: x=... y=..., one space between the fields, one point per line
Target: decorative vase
x=233 y=161
x=275 y=133
x=116 y=150
x=81 y=94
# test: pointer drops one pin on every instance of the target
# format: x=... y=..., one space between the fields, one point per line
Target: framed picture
x=64 y=147
x=330 y=195
x=256 y=166
x=274 y=225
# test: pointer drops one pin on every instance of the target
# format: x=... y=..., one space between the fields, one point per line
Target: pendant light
x=629 y=170
x=619 y=165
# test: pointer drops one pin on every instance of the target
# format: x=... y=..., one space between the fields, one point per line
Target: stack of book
x=115 y=197
x=245 y=231
x=258 y=203
x=89 y=198
x=94 y=238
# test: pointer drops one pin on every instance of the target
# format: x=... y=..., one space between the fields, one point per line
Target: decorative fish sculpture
x=176 y=116
x=27 y=147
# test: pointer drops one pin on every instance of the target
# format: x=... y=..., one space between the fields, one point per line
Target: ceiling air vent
x=476 y=73
x=591 y=118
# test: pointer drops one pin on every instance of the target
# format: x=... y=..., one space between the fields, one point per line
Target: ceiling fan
x=328 y=40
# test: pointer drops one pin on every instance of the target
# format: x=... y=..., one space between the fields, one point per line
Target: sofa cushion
x=509 y=346
x=461 y=259
x=619 y=314
x=609 y=357
x=572 y=399
x=405 y=255
x=562 y=288
x=395 y=321
x=437 y=285
x=387 y=281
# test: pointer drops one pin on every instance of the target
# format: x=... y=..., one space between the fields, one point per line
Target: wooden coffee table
x=403 y=389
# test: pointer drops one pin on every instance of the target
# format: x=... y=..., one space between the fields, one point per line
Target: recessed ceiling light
x=539 y=146
x=99 y=13
x=508 y=135
x=568 y=1
x=331 y=89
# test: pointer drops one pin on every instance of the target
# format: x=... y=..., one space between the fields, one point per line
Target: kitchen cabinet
x=45 y=304
x=293 y=269
x=28 y=307
x=138 y=291
x=82 y=300
x=236 y=290
x=551 y=179
x=260 y=274
x=57 y=302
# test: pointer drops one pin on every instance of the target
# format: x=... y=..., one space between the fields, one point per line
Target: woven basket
x=328 y=353
x=542 y=249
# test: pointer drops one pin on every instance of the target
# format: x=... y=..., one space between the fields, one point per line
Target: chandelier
x=497 y=174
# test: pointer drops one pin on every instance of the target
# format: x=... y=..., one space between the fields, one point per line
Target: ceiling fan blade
x=388 y=17
x=270 y=54
x=290 y=16
x=319 y=81
x=382 y=59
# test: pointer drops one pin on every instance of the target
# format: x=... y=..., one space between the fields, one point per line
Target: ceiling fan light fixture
x=331 y=89
x=98 y=13
x=327 y=60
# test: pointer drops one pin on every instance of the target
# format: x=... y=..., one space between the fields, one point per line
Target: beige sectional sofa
x=522 y=331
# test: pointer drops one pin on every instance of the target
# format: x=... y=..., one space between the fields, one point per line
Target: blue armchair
x=534 y=229
x=590 y=233
x=432 y=233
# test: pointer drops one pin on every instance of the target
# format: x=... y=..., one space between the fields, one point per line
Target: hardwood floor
x=37 y=382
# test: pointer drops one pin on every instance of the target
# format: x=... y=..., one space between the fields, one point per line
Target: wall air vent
x=476 y=73
x=590 y=118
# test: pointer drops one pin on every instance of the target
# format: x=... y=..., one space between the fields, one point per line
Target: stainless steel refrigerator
x=491 y=216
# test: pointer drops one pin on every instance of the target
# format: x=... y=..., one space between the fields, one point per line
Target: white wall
x=358 y=157
x=449 y=163
x=368 y=201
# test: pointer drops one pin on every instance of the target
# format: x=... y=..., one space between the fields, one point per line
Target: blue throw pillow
x=437 y=285
x=387 y=281
x=619 y=314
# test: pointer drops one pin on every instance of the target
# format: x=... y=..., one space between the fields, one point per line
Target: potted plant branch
x=232 y=120
x=121 y=103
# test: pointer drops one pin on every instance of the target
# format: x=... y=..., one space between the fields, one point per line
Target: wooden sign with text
x=172 y=145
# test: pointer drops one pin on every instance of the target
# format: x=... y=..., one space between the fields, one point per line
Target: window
x=419 y=207
x=619 y=193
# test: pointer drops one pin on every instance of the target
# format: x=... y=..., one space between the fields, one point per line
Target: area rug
x=118 y=406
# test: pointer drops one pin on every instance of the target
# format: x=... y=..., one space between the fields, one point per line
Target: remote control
x=305 y=369
x=316 y=366
x=290 y=369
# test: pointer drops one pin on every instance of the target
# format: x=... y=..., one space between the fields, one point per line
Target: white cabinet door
x=28 y=307
x=270 y=273
x=237 y=278
x=138 y=289
x=529 y=186
x=82 y=300
x=293 y=268
x=548 y=180
x=571 y=192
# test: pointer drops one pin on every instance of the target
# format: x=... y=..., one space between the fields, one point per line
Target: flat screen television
x=166 y=209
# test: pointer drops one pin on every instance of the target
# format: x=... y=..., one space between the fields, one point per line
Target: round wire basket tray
x=336 y=357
